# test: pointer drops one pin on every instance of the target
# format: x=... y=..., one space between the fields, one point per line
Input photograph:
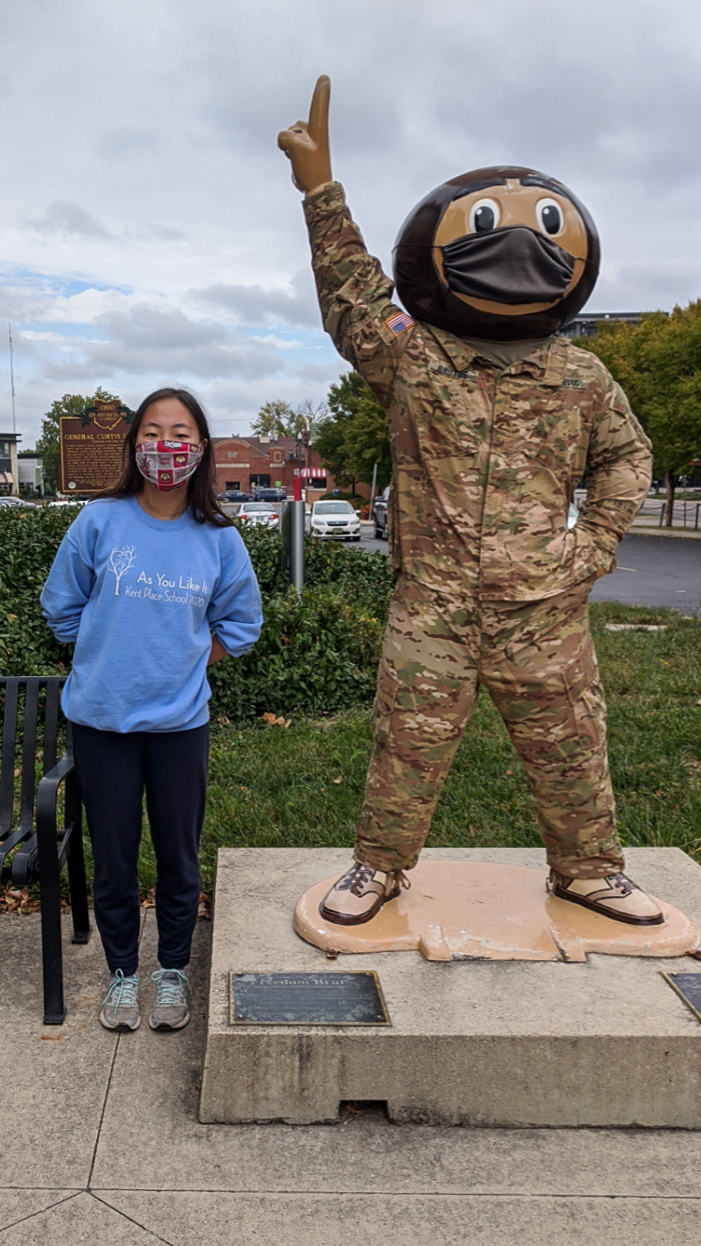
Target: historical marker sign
x=91 y=447
x=343 y=998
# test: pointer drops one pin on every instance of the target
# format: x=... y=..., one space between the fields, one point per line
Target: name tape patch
x=465 y=375
x=573 y=382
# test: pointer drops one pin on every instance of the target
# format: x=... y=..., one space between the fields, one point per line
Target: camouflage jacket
x=485 y=462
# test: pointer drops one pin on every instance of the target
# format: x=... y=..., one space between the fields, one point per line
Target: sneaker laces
x=170 y=993
x=361 y=875
x=356 y=879
x=122 y=990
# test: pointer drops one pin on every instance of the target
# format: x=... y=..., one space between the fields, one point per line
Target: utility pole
x=12 y=379
x=372 y=488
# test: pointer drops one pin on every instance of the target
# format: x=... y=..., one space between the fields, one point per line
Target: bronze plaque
x=91 y=447
x=352 y=998
x=688 y=988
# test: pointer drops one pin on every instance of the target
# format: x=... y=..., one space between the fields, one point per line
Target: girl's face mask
x=167 y=464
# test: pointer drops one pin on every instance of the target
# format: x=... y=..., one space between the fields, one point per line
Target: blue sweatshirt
x=138 y=596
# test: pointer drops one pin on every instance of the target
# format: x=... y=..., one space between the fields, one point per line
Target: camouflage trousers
x=537 y=661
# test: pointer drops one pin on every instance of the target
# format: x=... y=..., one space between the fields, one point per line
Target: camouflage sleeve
x=619 y=464
x=355 y=296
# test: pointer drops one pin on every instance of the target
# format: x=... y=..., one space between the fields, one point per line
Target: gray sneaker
x=170 y=1009
x=120 y=1007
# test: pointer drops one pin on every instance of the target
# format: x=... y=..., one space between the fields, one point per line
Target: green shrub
x=316 y=655
x=28 y=543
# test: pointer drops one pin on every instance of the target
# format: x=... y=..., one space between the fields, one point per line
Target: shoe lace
x=356 y=878
x=621 y=883
x=360 y=875
x=169 y=993
x=122 y=991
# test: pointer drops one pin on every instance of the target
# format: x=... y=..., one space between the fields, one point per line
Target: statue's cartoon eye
x=549 y=216
x=484 y=215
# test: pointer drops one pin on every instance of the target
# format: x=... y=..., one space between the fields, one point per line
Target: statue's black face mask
x=512 y=266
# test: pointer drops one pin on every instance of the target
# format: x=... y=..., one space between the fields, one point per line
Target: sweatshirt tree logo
x=120 y=561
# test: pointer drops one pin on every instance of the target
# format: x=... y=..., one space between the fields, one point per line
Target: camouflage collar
x=547 y=362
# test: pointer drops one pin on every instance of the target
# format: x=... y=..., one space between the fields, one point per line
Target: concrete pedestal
x=512 y=1043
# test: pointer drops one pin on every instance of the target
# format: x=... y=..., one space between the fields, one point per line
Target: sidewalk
x=101 y=1145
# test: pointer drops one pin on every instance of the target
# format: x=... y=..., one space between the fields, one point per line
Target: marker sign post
x=91 y=447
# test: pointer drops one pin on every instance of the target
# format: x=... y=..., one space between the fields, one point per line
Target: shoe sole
x=604 y=912
x=120 y=1025
x=340 y=919
x=160 y=1025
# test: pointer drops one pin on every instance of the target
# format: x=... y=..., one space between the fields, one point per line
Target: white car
x=260 y=514
x=15 y=503
x=336 y=520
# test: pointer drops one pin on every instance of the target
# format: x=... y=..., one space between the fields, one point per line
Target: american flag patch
x=399 y=323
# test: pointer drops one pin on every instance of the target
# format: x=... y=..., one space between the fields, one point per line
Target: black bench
x=32 y=844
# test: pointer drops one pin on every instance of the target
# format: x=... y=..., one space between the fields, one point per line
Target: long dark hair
x=201 y=488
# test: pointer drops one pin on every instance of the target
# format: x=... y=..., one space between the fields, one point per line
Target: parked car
x=233 y=495
x=379 y=513
x=16 y=502
x=269 y=495
x=336 y=520
x=260 y=514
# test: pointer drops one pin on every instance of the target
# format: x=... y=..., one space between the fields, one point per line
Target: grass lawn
x=302 y=785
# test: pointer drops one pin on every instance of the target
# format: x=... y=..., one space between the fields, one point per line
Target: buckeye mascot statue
x=493 y=420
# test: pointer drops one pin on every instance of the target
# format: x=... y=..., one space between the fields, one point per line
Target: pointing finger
x=319 y=109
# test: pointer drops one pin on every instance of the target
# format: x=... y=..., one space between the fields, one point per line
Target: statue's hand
x=306 y=143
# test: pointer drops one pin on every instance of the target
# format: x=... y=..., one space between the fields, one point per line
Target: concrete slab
x=162 y=1073
x=80 y=1220
x=502 y=1044
x=480 y=910
x=394 y=1220
x=17 y=1205
x=56 y=1077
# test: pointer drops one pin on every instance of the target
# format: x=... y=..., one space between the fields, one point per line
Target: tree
x=354 y=435
x=658 y=364
x=48 y=444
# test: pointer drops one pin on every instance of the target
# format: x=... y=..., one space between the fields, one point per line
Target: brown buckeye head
x=500 y=254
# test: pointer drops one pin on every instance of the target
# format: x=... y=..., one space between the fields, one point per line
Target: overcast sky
x=149 y=231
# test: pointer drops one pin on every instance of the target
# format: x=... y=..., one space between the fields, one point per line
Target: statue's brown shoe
x=615 y=896
x=360 y=894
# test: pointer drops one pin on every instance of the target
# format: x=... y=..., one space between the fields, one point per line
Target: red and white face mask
x=167 y=464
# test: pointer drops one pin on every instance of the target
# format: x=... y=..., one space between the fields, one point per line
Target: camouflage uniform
x=492 y=585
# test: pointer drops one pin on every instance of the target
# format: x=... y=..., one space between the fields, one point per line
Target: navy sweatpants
x=112 y=771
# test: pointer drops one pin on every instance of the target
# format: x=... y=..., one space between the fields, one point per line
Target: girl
x=153 y=584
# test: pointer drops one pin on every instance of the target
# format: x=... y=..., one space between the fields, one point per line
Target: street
x=652 y=571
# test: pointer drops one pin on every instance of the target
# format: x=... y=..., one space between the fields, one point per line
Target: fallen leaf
x=268 y=718
x=509 y=772
x=339 y=779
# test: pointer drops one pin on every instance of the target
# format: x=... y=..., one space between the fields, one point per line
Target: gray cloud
x=147 y=340
x=257 y=306
x=126 y=142
x=64 y=217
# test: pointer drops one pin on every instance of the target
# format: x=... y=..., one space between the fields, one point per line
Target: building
x=587 y=324
x=9 y=473
x=31 y=471
x=269 y=462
